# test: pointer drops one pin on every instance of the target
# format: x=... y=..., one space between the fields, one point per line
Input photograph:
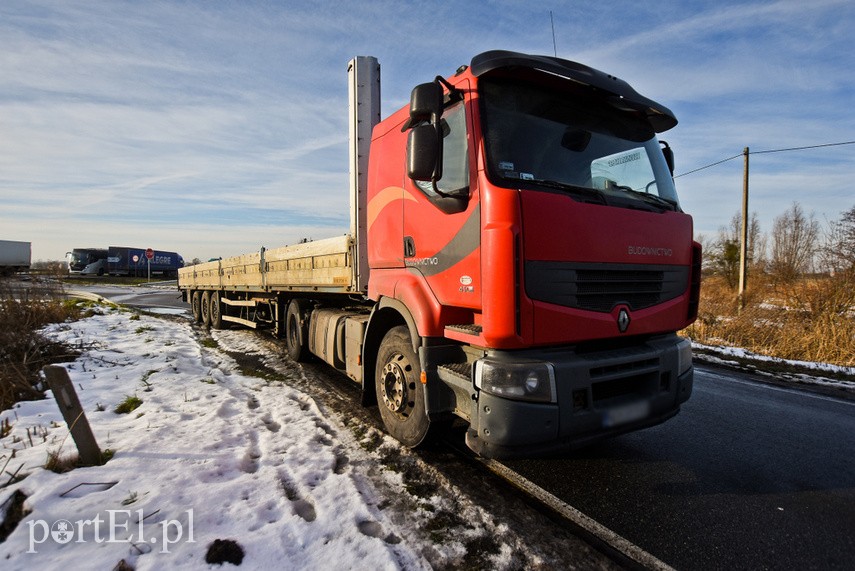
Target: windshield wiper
x=585 y=191
x=654 y=199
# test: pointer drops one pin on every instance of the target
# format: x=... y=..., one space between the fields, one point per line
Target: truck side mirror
x=424 y=143
x=422 y=153
x=669 y=156
x=425 y=103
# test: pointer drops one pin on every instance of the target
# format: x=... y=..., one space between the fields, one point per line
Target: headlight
x=684 y=356
x=519 y=381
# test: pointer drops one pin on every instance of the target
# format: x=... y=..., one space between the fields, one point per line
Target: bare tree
x=707 y=247
x=838 y=248
x=724 y=253
x=795 y=241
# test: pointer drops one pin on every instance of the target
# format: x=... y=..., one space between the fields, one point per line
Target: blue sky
x=213 y=128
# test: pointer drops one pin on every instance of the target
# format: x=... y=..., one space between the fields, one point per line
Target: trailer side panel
x=321 y=266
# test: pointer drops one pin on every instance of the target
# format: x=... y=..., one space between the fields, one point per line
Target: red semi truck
x=517 y=258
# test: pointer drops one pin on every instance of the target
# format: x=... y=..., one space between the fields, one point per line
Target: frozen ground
x=226 y=446
x=820 y=376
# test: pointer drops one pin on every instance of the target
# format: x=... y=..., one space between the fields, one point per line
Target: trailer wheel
x=206 y=308
x=297 y=330
x=400 y=392
x=196 y=306
x=216 y=311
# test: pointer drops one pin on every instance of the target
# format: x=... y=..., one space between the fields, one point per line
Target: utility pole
x=743 y=248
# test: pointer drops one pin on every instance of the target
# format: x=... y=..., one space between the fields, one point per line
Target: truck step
x=468 y=329
x=460 y=371
x=465 y=333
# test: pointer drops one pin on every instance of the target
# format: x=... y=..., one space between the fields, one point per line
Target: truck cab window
x=560 y=138
x=455 y=154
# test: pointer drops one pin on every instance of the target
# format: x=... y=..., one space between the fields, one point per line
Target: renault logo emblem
x=623 y=320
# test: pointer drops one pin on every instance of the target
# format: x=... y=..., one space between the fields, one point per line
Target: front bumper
x=598 y=394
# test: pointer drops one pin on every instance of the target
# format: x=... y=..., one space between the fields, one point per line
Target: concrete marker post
x=66 y=397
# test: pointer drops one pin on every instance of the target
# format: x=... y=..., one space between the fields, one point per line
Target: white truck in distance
x=14 y=257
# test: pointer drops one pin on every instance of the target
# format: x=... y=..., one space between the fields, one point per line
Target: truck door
x=442 y=235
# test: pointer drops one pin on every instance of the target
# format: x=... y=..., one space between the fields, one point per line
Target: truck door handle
x=409 y=247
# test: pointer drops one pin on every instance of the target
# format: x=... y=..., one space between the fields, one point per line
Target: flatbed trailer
x=323 y=266
x=258 y=283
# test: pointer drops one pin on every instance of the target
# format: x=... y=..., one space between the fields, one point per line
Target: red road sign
x=149 y=253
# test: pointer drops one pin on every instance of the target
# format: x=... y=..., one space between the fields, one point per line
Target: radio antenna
x=552 y=21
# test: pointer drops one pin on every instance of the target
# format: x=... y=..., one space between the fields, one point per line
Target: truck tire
x=206 y=308
x=196 y=306
x=297 y=330
x=215 y=311
x=400 y=392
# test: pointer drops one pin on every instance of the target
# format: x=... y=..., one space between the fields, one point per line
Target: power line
x=802 y=148
x=710 y=165
x=764 y=153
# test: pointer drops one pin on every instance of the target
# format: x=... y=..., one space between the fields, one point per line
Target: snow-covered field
x=220 y=451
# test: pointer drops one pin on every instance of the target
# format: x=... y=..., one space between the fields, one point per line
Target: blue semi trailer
x=123 y=261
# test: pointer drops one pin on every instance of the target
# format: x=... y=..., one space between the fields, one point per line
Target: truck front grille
x=600 y=287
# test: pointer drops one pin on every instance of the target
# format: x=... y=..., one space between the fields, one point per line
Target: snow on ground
x=214 y=453
x=220 y=449
x=798 y=372
x=199 y=452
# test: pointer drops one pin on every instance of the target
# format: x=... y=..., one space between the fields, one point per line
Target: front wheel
x=400 y=392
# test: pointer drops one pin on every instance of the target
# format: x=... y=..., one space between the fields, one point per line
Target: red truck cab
x=522 y=215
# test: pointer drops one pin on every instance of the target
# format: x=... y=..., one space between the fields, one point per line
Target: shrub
x=26 y=307
x=809 y=320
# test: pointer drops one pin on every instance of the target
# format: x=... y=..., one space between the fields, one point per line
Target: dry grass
x=62 y=463
x=809 y=319
x=26 y=307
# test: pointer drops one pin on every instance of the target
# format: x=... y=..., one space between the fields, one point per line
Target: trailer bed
x=321 y=266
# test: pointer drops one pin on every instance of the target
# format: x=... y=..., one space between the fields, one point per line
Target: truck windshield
x=556 y=135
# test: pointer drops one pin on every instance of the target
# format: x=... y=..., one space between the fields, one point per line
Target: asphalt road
x=153 y=297
x=747 y=476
